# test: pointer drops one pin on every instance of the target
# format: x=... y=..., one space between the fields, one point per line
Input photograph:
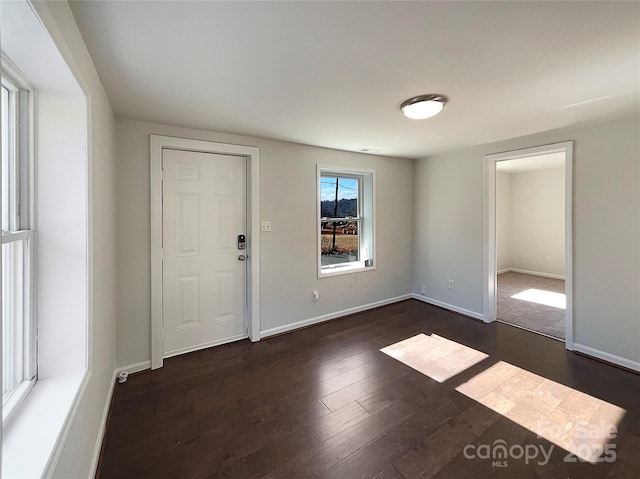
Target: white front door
x=203 y=270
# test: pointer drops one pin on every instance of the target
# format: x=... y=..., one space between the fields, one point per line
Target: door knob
x=242 y=257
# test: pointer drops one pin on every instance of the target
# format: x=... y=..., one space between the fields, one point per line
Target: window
x=18 y=329
x=345 y=221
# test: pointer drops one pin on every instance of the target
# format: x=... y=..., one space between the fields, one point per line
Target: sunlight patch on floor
x=548 y=298
x=570 y=419
x=434 y=356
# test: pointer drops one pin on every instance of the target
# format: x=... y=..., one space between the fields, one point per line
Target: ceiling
x=333 y=74
x=532 y=163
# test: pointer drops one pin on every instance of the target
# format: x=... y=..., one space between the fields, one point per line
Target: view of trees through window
x=340 y=219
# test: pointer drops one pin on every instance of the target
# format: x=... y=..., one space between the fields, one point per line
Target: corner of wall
x=78 y=454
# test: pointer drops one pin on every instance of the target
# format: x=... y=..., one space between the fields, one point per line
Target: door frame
x=252 y=155
x=490 y=265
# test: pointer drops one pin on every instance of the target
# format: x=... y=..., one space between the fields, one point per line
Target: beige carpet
x=531 y=315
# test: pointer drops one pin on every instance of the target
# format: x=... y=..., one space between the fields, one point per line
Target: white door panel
x=203 y=278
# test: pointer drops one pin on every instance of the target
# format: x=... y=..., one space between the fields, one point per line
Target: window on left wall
x=18 y=324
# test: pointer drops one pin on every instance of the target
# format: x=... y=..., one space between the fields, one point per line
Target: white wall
x=288 y=253
x=503 y=220
x=82 y=436
x=61 y=232
x=537 y=221
x=449 y=231
x=448 y=196
x=530 y=221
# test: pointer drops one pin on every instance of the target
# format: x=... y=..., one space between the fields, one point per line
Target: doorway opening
x=528 y=256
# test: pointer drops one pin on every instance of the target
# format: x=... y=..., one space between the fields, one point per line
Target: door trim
x=490 y=266
x=252 y=154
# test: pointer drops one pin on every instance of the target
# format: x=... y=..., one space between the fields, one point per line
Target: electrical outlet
x=315 y=295
x=423 y=289
x=266 y=226
x=548 y=260
x=452 y=284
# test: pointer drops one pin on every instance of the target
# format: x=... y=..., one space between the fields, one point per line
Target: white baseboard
x=103 y=426
x=326 y=317
x=134 y=368
x=448 y=306
x=534 y=273
x=612 y=358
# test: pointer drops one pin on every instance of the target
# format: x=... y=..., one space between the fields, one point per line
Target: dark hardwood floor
x=326 y=402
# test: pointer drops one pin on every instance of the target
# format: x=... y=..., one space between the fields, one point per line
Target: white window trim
x=30 y=350
x=16 y=399
x=23 y=146
x=367 y=221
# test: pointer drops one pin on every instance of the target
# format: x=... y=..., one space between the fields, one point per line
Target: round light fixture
x=423 y=106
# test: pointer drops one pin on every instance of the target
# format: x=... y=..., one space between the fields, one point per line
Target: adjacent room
x=530 y=240
x=374 y=239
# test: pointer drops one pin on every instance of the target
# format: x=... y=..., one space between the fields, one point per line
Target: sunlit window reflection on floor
x=548 y=298
x=434 y=356
x=570 y=419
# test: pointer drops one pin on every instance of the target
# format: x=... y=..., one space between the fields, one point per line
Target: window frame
x=365 y=220
x=21 y=221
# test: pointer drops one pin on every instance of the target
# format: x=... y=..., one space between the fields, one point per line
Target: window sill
x=340 y=270
x=33 y=438
x=15 y=401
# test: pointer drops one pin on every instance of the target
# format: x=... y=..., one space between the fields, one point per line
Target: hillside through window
x=340 y=220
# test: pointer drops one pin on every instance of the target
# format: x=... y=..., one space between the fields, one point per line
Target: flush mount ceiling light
x=423 y=106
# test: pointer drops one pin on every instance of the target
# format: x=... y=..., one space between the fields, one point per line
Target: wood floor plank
x=390 y=473
x=445 y=443
x=359 y=389
x=390 y=392
x=371 y=460
x=318 y=459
